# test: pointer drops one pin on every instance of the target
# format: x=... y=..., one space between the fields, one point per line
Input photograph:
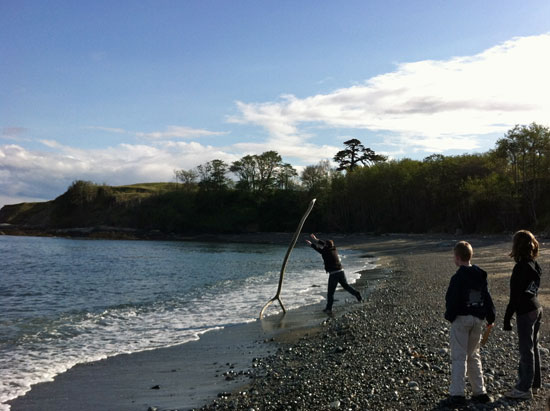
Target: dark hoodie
x=524 y=287
x=329 y=254
x=468 y=294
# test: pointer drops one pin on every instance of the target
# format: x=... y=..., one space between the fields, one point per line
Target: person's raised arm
x=316 y=244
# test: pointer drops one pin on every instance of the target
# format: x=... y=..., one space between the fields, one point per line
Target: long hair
x=524 y=246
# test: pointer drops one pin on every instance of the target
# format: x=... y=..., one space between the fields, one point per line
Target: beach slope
x=392 y=353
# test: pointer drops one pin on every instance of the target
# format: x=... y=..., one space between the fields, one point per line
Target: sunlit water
x=64 y=302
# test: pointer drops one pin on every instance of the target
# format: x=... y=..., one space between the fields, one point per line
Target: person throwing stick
x=333 y=267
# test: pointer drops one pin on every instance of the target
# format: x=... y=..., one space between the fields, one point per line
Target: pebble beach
x=392 y=352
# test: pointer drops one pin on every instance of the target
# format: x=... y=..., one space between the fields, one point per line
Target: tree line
x=497 y=191
x=266 y=172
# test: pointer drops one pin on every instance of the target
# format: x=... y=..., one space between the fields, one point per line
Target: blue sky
x=127 y=91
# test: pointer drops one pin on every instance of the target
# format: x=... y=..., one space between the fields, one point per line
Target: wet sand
x=179 y=377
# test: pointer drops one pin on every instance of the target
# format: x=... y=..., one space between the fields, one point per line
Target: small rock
x=413 y=385
x=335 y=404
x=224 y=394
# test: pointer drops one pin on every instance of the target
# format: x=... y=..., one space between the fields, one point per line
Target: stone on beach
x=392 y=352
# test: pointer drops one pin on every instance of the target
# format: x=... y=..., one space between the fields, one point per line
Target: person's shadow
x=446 y=405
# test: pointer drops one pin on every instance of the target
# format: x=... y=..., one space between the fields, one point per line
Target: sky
x=123 y=92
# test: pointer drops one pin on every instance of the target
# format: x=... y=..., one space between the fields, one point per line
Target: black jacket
x=524 y=287
x=468 y=294
x=330 y=256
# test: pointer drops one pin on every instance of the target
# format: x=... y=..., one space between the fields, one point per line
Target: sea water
x=67 y=301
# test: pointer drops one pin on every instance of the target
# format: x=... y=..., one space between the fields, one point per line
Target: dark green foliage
x=501 y=190
x=356 y=154
x=263 y=173
x=213 y=176
x=82 y=204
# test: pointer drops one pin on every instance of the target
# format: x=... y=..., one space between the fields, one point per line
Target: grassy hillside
x=83 y=203
x=36 y=214
x=164 y=207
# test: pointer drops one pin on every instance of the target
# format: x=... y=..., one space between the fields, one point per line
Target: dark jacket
x=524 y=287
x=330 y=256
x=468 y=294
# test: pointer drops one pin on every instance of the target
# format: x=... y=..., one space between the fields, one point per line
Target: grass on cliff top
x=149 y=188
x=141 y=190
x=13 y=213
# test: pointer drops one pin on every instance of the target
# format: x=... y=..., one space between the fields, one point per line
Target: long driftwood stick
x=290 y=247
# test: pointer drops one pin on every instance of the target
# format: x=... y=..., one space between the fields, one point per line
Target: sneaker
x=482 y=398
x=456 y=400
x=327 y=311
x=359 y=298
x=516 y=394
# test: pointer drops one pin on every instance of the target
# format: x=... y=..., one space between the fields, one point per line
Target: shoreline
x=391 y=352
x=189 y=374
x=125 y=233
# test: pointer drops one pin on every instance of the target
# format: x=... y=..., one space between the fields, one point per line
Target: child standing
x=333 y=267
x=524 y=286
x=468 y=304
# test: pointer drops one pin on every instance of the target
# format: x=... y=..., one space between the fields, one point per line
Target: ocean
x=70 y=301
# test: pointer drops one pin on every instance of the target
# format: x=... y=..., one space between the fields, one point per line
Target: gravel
x=392 y=351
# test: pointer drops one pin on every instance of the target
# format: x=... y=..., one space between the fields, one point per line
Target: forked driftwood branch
x=290 y=247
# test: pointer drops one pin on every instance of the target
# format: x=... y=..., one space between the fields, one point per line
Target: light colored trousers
x=465 y=338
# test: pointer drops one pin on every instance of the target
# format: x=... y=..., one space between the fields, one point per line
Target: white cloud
x=32 y=174
x=427 y=105
x=172 y=132
x=303 y=152
x=37 y=174
x=109 y=129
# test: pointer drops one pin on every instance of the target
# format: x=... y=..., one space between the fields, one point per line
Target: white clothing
x=466 y=360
